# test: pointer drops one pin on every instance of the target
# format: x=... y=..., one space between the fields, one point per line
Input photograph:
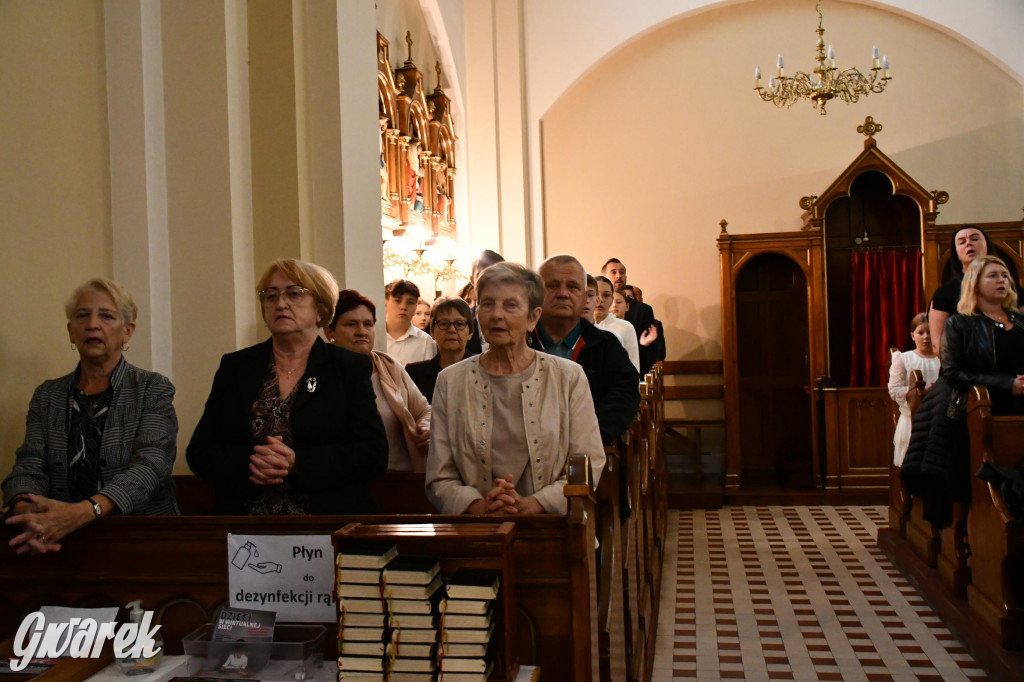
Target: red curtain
x=886 y=295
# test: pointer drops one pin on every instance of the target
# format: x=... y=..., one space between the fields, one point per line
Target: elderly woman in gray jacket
x=505 y=422
x=99 y=440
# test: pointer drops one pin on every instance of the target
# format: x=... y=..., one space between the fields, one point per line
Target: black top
x=339 y=438
x=1009 y=350
x=424 y=373
x=947 y=296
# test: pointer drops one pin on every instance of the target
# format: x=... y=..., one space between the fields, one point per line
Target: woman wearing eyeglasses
x=451 y=325
x=291 y=426
x=406 y=413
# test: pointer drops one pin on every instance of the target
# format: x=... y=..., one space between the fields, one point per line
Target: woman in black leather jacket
x=984 y=344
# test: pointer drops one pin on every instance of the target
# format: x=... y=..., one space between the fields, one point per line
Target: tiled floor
x=794 y=593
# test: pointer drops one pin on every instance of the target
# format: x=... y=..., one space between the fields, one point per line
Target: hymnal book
x=362 y=648
x=467 y=584
x=361 y=663
x=359 y=575
x=413 y=665
x=463 y=650
x=248 y=624
x=469 y=677
x=466 y=636
x=411 y=677
x=413 y=621
x=411 y=569
x=350 y=634
x=423 y=607
x=359 y=590
x=361 y=606
x=463 y=665
x=361 y=620
x=418 y=635
x=345 y=676
x=405 y=649
x=459 y=621
x=366 y=555
x=470 y=606
x=412 y=591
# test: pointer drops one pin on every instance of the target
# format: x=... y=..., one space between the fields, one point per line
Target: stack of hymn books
x=387 y=623
x=362 y=632
x=467 y=624
x=411 y=586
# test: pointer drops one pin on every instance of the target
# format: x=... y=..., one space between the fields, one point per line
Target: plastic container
x=296 y=653
x=141 y=665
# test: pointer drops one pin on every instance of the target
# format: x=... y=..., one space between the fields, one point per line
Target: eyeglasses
x=292 y=294
x=445 y=325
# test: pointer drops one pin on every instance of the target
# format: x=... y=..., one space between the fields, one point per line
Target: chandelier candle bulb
x=825 y=81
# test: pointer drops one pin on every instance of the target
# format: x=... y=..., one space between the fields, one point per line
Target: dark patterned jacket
x=136 y=454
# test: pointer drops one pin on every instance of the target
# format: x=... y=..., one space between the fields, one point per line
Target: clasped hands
x=1018 y=385
x=503 y=499
x=270 y=463
x=44 y=522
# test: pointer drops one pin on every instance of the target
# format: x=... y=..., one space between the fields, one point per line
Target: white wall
x=648 y=150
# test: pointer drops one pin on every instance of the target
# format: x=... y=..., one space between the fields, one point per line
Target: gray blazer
x=136 y=455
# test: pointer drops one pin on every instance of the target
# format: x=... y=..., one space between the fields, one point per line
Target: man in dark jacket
x=640 y=315
x=614 y=382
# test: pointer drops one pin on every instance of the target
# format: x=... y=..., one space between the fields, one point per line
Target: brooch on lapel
x=311 y=384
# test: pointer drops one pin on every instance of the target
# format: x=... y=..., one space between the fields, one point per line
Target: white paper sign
x=290 y=574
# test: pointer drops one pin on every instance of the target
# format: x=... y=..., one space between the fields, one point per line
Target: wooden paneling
x=865 y=437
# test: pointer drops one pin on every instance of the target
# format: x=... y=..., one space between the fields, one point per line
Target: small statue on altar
x=383 y=161
x=442 y=199
x=414 y=174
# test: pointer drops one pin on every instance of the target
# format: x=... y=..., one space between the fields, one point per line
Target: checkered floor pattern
x=794 y=593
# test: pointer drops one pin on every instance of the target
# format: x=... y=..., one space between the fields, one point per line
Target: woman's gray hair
x=122 y=299
x=512 y=273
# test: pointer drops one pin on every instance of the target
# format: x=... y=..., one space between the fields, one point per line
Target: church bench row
x=972 y=572
x=582 y=615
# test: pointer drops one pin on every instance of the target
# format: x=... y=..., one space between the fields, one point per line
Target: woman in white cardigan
x=506 y=421
x=403 y=409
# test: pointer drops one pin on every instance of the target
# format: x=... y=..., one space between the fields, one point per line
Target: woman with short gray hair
x=505 y=422
x=99 y=440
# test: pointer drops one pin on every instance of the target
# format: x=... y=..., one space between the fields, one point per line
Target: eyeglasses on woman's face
x=445 y=325
x=292 y=294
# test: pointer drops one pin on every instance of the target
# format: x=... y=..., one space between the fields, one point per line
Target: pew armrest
x=579 y=479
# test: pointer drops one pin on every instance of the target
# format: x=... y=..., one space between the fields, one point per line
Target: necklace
x=288 y=372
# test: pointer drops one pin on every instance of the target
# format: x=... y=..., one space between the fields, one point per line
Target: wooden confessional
x=792 y=417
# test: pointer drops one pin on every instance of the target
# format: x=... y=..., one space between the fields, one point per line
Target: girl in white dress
x=923 y=357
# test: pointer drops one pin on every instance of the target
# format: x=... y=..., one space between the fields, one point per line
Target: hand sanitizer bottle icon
x=244 y=553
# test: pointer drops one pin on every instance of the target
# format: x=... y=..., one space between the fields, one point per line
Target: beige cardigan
x=558 y=413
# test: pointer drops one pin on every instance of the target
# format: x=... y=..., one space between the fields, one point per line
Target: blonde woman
x=291 y=426
x=984 y=344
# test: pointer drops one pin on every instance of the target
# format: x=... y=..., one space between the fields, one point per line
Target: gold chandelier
x=826 y=82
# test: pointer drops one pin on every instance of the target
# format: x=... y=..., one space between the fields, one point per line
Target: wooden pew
x=178 y=567
x=924 y=538
x=996 y=539
x=899 y=498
